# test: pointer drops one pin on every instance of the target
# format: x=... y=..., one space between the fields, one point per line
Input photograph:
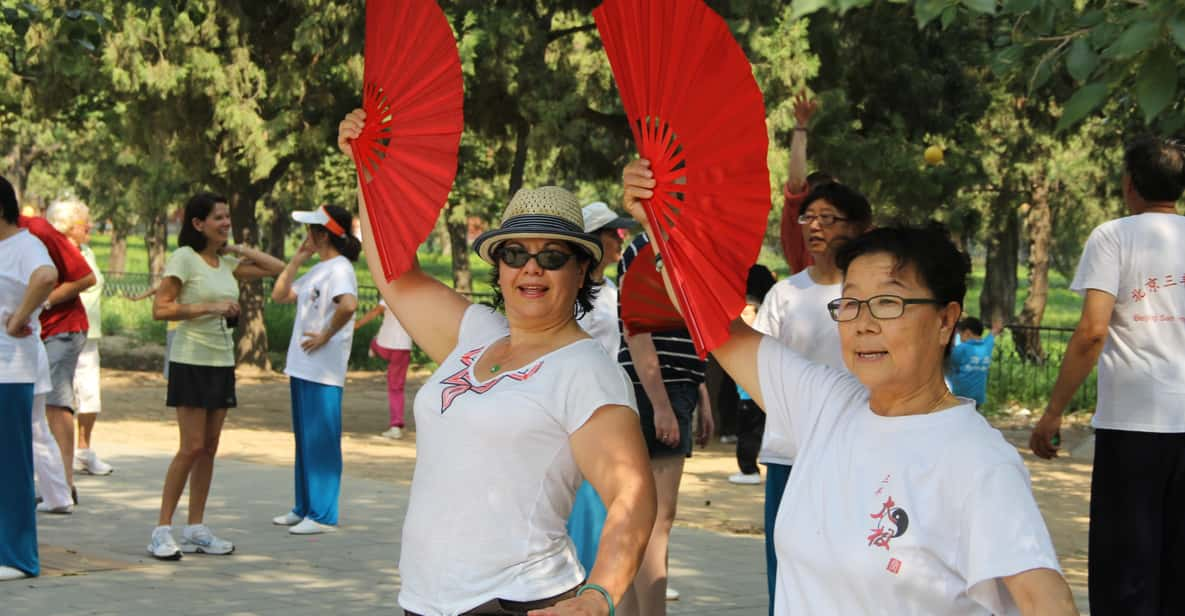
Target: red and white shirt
x=921 y=514
x=495 y=478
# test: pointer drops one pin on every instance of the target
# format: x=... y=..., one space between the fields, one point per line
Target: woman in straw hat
x=523 y=405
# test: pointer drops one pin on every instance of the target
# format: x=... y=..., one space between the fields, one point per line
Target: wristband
x=800 y=128
x=658 y=263
x=600 y=589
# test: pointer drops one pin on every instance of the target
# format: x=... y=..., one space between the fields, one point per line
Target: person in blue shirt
x=971 y=359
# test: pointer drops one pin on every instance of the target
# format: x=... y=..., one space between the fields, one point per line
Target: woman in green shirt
x=200 y=289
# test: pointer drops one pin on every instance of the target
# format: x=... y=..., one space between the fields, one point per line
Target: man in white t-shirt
x=1132 y=274
x=795 y=312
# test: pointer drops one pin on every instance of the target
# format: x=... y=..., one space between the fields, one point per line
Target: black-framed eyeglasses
x=825 y=220
x=881 y=307
x=516 y=257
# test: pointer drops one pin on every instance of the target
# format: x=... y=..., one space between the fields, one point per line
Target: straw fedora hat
x=548 y=212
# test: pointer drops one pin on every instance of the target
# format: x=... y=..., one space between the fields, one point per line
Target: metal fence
x=1025 y=365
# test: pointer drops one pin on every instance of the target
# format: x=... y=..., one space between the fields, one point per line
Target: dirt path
x=260 y=431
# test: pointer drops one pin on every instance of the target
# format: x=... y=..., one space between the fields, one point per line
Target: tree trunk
x=252 y=331
x=118 y=258
x=278 y=235
x=998 y=298
x=458 y=236
x=519 y=166
x=156 y=238
x=1040 y=237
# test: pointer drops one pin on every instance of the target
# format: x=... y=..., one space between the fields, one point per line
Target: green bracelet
x=600 y=589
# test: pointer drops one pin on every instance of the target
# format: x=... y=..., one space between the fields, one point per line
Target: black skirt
x=204 y=387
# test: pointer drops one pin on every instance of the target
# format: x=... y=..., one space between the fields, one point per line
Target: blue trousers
x=585 y=525
x=317 y=425
x=776 y=476
x=18 y=512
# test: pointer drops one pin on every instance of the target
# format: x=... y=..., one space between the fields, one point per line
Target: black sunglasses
x=516 y=257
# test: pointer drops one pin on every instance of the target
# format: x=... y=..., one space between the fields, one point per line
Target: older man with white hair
x=72 y=218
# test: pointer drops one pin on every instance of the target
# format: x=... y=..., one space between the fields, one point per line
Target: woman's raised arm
x=738 y=356
x=428 y=309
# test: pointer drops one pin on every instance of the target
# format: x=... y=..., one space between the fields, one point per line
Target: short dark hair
x=846 y=199
x=11 y=209
x=973 y=324
x=347 y=244
x=942 y=267
x=759 y=282
x=584 y=297
x=199 y=206
x=817 y=178
x=1156 y=167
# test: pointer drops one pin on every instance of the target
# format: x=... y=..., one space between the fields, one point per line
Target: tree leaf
x=1019 y=6
x=1156 y=84
x=1091 y=19
x=987 y=7
x=949 y=14
x=1084 y=101
x=1082 y=60
x=1138 y=37
x=927 y=11
x=1177 y=30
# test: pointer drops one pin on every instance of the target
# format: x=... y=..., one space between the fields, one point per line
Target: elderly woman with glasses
x=524 y=405
x=904 y=500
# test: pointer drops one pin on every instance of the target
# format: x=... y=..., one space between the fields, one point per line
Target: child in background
x=393 y=345
x=971 y=359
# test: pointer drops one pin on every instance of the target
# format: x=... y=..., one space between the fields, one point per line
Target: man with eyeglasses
x=795 y=312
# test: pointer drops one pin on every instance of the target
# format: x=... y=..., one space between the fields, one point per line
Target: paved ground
x=96 y=563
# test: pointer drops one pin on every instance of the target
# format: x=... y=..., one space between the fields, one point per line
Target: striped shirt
x=676 y=351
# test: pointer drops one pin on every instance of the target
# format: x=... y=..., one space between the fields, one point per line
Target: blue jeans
x=18 y=516
x=776 y=476
x=317 y=425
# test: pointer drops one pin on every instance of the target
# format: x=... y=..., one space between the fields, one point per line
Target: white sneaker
x=309 y=526
x=672 y=594
x=10 y=573
x=288 y=519
x=745 y=479
x=198 y=538
x=163 y=547
x=728 y=439
x=87 y=461
x=43 y=507
x=394 y=433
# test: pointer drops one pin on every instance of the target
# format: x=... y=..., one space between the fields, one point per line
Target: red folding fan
x=698 y=117
x=645 y=306
x=413 y=98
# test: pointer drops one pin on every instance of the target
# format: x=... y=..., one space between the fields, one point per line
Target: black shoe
x=74 y=494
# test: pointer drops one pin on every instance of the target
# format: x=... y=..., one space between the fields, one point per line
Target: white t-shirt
x=795 y=312
x=21 y=254
x=920 y=514
x=391 y=333
x=1140 y=260
x=315 y=292
x=601 y=322
x=92 y=298
x=495 y=478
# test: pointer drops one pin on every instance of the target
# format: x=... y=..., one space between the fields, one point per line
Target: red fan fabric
x=413 y=96
x=698 y=116
x=645 y=306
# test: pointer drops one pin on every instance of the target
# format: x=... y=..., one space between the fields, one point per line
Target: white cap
x=597 y=216
x=319 y=217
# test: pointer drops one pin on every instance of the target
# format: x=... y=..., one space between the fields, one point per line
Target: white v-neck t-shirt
x=921 y=514
x=495 y=478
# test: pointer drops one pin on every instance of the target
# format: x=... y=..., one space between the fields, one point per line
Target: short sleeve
x=600 y=383
x=796 y=392
x=180 y=265
x=768 y=320
x=481 y=325
x=73 y=263
x=343 y=281
x=1099 y=267
x=1003 y=534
